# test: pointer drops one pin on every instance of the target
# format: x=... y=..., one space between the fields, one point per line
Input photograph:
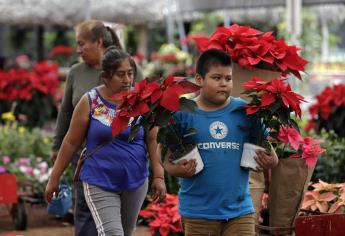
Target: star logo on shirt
x=218 y=130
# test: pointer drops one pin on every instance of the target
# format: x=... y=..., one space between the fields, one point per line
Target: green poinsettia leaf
x=275 y=106
x=274 y=124
x=133 y=133
x=294 y=124
x=274 y=134
x=187 y=105
x=163 y=118
x=249 y=91
x=161 y=135
x=190 y=132
x=283 y=116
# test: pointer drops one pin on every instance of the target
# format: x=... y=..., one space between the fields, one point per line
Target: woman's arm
x=158 y=183
x=64 y=117
x=70 y=145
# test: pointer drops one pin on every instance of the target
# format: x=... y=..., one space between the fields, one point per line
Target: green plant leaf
x=133 y=133
x=190 y=132
x=163 y=118
x=249 y=91
x=187 y=105
x=294 y=124
x=275 y=106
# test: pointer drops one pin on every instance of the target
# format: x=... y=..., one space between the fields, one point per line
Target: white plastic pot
x=248 y=154
x=193 y=154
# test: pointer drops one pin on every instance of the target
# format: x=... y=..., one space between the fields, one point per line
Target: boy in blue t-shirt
x=217 y=201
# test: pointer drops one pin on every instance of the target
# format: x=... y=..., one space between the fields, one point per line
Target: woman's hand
x=158 y=188
x=183 y=168
x=51 y=188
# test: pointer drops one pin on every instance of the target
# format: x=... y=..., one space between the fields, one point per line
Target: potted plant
x=152 y=104
x=272 y=103
x=325 y=198
x=163 y=217
x=254 y=53
x=328 y=112
x=323 y=210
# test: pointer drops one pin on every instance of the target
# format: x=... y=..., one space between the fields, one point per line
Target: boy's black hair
x=211 y=57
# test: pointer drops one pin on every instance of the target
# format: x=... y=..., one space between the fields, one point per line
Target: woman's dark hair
x=112 y=59
x=209 y=58
x=94 y=30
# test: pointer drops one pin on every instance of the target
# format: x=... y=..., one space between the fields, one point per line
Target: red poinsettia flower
x=134 y=103
x=20 y=84
x=201 y=39
x=170 y=91
x=163 y=217
x=328 y=110
x=289 y=135
x=270 y=92
x=255 y=83
x=61 y=50
x=310 y=150
x=250 y=47
x=150 y=98
x=272 y=102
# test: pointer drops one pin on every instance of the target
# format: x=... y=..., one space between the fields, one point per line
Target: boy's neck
x=205 y=105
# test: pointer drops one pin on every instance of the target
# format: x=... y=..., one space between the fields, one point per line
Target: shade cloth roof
x=70 y=12
x=207 y=5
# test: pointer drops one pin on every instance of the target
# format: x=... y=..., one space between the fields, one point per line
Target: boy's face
x=217 y=85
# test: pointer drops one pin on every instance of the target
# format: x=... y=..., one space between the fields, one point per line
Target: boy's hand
x=183 y=168
x=266 y=160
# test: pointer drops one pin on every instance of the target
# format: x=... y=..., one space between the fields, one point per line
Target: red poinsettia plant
x=21 y=84
x=163 y=217
x=61 y=50
x=250 y=47
x=273 y=103
x=153 y=104
x=328 y=112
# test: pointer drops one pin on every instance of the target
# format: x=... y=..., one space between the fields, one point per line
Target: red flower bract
x=170 y=91
x=150 y=97
x=328 y=111
x=163 y=217
x=252 y=48
x=19 y=84
x=270 y=92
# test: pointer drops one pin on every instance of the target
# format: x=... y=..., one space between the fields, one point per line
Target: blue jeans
x=83 y=222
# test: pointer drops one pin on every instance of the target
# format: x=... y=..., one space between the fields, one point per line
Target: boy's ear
x=198 y=79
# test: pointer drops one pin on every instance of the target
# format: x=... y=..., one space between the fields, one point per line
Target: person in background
x=217 y=201
x=114 y=177
x=92 y=38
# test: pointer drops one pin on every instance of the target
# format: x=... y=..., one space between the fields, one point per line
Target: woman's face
x=122 y=78
x=90 y=52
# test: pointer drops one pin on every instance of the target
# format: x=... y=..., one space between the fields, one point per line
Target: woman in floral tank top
x=115 y=176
